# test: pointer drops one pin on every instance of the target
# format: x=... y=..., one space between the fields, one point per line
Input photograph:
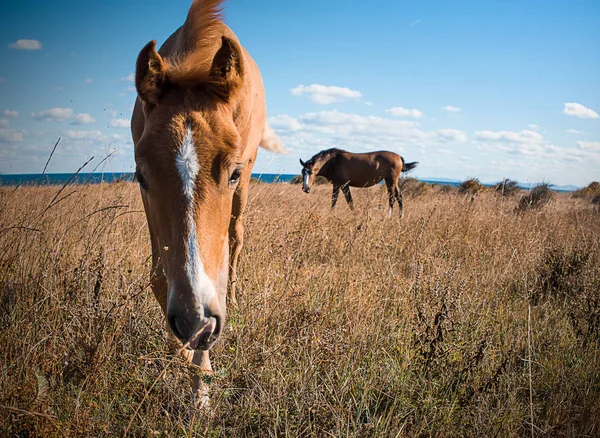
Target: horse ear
x=302 y=162
x=227 y=69
x=150 y=74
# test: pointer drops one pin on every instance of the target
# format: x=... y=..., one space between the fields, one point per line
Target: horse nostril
x=175 y=328
x=217 y=328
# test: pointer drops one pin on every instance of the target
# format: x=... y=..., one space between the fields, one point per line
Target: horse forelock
x=199 y=37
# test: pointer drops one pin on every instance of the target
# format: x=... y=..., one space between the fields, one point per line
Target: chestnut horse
x=346 y=169
x=198 y=121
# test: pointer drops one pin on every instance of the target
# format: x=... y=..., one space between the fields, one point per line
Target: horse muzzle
x=197 y=333
x=306 y=189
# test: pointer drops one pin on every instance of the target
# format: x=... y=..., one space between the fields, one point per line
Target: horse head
x=188 y=164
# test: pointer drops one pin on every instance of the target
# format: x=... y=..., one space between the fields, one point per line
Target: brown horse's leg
x=198 y=358
x=236 y=227
x=348 y=196
x=200 y=367
x=236 y=231
x=200 y=389
x=334 y=195
x=390 y=189
x=399 y=198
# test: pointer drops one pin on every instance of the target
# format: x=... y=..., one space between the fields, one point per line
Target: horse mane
x=325 y=154
x=196 y=41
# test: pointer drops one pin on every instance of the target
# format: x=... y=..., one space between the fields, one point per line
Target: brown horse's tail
x=409 y=166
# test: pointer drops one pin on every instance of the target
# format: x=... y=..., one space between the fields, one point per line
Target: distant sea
x=97 y=178
x=111 y=177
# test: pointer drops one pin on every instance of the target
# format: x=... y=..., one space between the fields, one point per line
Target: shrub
x=413 y=187
x=507 y=187
x=590 y=192
x=447 y=188
x=537 y=198
x=471 y=186
x=318 y=181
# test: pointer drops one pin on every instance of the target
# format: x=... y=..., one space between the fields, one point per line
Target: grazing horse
x=199 y=118
x=346 y=169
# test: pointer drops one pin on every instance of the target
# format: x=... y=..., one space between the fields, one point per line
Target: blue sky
x=486 y=89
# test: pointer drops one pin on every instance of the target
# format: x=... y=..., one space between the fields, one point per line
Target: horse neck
x=324 y=165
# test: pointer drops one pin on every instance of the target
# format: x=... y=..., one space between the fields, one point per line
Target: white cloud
x=120 y=123
x=452 y=109
x=451 y=135
x=369 y=103
x=83 y=119
x=575 y=131
x=89 y=80
x=129 y=78
x=94 y=134
x=398 y=111
x=283 y=122
x=324 y=95
x=10 y=113
x=325 y=129
x=525 y=136
x=347 y=125
x=10 y=136
x=357 y=132
x=26 y=45
x=48 y=115
x=537 y=157
x=578 y=110
x=4 y=123
x=533 y=126
x=592 y=146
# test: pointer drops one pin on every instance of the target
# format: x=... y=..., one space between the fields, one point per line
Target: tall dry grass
x=349 y=324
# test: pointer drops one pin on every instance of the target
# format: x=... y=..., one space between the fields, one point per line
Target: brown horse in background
x=346 y=169
x=198 y=120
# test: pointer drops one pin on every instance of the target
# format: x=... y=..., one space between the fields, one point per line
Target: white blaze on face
x=188 y=168
x=305 y=179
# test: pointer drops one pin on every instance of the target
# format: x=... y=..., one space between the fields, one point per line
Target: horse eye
x=140 y=179
x=235 y=176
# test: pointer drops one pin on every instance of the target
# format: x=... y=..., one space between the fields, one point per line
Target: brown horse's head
x=188 y=165
x=308 y=174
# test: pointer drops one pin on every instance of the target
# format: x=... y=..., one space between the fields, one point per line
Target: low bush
x=538 y=197
x=507 y=187
x=318 y=181
x=413 y=187
x=471 y=186
x=589 y=192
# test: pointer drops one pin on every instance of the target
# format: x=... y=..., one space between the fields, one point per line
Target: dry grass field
x=466 y=318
